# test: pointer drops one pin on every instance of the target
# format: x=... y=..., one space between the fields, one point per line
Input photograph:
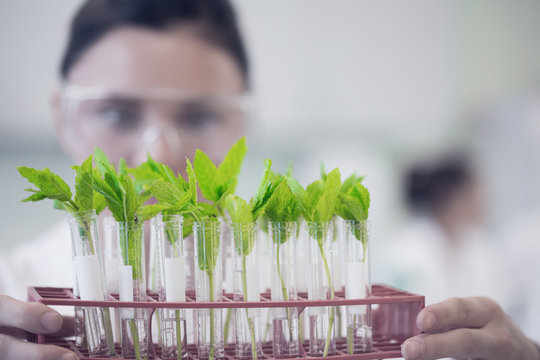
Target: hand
x=16 y=317
x=473 y=327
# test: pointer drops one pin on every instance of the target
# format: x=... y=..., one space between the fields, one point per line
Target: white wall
x=32 y=37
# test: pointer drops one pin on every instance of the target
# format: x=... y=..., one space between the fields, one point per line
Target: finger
x=473 y=312
x=67 y=329
x=13 y=349
x=458 y=343
x=33 y=317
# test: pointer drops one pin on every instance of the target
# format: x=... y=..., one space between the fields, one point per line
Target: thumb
x=32 y=317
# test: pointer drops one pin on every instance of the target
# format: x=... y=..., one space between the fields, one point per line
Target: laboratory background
x=436 y=102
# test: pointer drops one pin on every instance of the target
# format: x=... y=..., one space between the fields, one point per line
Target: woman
x=165 y=77
x=140 y=76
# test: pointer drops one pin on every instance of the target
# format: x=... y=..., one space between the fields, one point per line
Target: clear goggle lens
x=120 y=122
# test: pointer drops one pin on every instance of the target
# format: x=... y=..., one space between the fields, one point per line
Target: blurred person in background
x=443 y=250
x=167 y=77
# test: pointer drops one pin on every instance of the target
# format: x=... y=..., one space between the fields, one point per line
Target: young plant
x=127 y=206
x=125 y=203
x=52 y=187
x=178 y=197
x=282 y=208
x=241 y=214
x=317 y=204
x=216 y=182
x=353 y=205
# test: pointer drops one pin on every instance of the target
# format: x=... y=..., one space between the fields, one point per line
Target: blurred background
x=374 y=87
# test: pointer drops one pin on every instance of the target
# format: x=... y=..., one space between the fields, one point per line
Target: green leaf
x=84 y=192
x=50 y=186
x=314 y=192
x=206 y=173
x=187 y=225
x=231 y=165
x=348 y=208
x=300 y=195
x=238 y=209
x=218 y=182
x=146 y=212
x=289 y=171
x=323 y=172
x=282 y=206
x=362 y=195
x=151 y=171
x=53 y=186
x=207 y=211
x=192 y=181
x=60 y=205
x=32 y=175
x=130 y=203
x=99 y=202
x=32 y=190
x=326 y=204
x=122 y=167
x=169 y=175
x=166 y=192
x=142 y=196
x=264 y=191
x=354 y=205
x=112 y=198
x=144 y=175
x=208 y=244
x=349 y=182
x=102 y=162
x=225 y=188
x=36 y=196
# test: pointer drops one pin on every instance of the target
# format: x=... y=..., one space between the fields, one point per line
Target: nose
x=164 y=145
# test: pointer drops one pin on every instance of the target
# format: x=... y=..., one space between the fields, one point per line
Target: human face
x=165 y=93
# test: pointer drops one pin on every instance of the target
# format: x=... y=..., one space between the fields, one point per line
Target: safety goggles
x=121 y=121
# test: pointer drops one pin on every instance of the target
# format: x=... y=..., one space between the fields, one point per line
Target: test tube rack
x=394 y=314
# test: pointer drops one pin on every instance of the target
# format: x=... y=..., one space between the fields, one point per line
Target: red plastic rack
x=394 y=314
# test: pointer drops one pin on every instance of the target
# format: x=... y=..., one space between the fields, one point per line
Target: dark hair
x=216 y=19
x=429 y=188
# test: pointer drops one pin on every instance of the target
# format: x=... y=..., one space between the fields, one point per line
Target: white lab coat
x=420 y=259
x=44 y=261
x=522 y=239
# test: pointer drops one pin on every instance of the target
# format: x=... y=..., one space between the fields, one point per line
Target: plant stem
x=301 y=328
x=227 y=324
x=267 y=327
x=284 y=292
x=350 y=336
x=106 y=312
x=331 y=319
x=179 y=336
x=364 y=244
x=135 y=336
x=339 y=322
x=350 y=348
x=86 y=228
x=211 y=286
x=173 y=239
x=108 y=330
x=250 y=320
